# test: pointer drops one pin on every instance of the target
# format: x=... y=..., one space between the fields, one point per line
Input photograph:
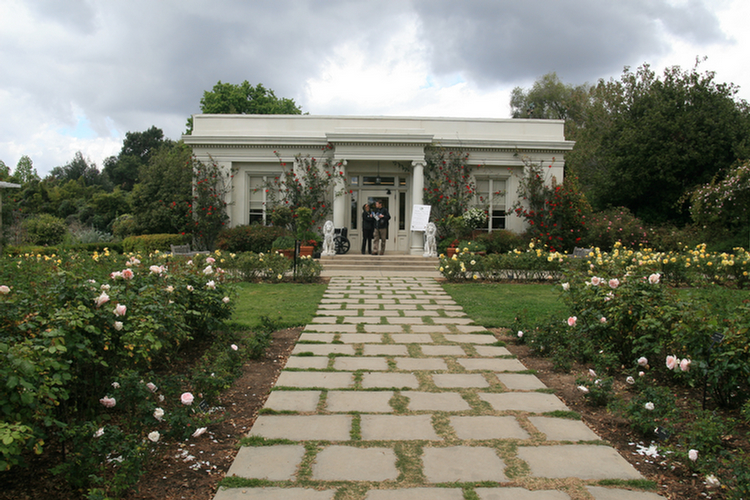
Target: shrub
x=615 y=225
x=45 y=229
x=124 y=226
x=283 y=243
x=253 y=238
x=149 y=243
x=500 y=241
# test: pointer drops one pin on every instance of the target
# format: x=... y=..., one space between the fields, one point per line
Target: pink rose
x=234 y=347
x=120 y=310
x=208 y=270
x=127 y=274
x=685 y=365
x=225 y=300
x=4 y=289
x=118 y=325
x=693 y=455
x=654 y=278
x=210 y=260
x=108 y=402
x=115 y=274
x=596 y=281
x=151 y=387
x=642 y=361
x=672 y=362
x=614 y=283
x=102 y=299
x=572 y=321
x=602 y=320
x=186 y=398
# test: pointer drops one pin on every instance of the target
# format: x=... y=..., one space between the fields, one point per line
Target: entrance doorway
x=370 y=196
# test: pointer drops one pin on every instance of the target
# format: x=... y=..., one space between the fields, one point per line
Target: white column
x=417 y=197
x=341 y=198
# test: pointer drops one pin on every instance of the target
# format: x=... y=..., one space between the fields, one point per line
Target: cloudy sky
x=76 y=75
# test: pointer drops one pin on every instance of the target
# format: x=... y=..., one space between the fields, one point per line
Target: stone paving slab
x=303 y=427
x=306 y=401
x=331 y=328
x=325 y=380
x=401 y=320
x=494 y=364
x=386 y=350
x=412 y=338
x=387 y=380
x=491 y=350
x=462 y=463
x=601 y=493
x=275 y=463
x=436 y=401
x=446 y=380
x=533 y=402
x=519 y=494
x=365 y=320
x=397 y=428
x=452 y=321
x=361 y=401
x=562 y=429
x=443 y=350
x=326 y=320
x=471 y=338
x=361 y=363
x=323 y=349
x=317 y=337
x=307 y=362
x=520 y=382
x=273 y=494
x=470 y=328
x=383 y=328
x=577 y=460
x=415 y=364
x=361 y=338
x=345 y=463
x=488 y=427
x=429 y=329
x=416 y=494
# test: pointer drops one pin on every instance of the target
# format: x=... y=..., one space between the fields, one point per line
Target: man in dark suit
x=381 y=227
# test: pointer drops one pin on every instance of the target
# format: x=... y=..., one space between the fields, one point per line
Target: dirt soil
x=192 y=470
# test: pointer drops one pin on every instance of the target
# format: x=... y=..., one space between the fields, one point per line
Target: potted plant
x=475 y=221
x=284 y=245
x=451 y=250
x=303 y=222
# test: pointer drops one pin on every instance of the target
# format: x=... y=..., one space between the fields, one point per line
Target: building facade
x=374 y=152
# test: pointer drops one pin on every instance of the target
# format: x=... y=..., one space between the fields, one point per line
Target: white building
x=371 y=149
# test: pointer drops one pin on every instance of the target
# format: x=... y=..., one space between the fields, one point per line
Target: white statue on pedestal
x=329 y=248
x=430 y=245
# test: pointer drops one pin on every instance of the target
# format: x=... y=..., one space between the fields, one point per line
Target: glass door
x=370 y=196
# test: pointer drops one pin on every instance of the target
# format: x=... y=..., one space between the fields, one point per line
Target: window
x=491 y=197
x=257 y=199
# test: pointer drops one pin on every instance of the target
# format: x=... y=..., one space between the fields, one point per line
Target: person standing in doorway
x=368 y=229
x=381 y=227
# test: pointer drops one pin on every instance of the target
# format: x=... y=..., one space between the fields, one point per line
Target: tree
x=160 y=200
x=646 y=141
x=25 y=171
x=244 y=99
x=549 y=98
x=724 y=203
x=4 y=171
x=79 y=169
x=137 y=150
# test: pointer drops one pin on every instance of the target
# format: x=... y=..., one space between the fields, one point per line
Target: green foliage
x=271 y=266
x=449 y=188
x=150 y=243
x=652 y=407
x=249 y=238
x=14 y=439
x=556 y=213
x=501 y=241
x=284 y=242
x=725 y=200
x=598 y=390
x=614 y=225
x=45 y=229
x=649 y=140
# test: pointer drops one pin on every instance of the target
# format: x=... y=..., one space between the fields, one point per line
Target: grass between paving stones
x=355 y=433
x=570 y=415
x=641 y=484
x=399 y=403
x=286 y=304
x=497 y=305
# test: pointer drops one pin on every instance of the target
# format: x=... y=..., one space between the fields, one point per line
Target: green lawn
x=497 y=305
x=287 y=304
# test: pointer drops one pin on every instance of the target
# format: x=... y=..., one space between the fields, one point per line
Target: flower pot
x=306 y=251
x=450 y=252
x=287 y=252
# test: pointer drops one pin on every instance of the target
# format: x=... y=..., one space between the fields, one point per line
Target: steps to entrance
x=380 y=265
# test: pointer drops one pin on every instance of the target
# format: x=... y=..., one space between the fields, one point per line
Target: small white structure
x=329 y=249
x=430 y=241
x=383 y=158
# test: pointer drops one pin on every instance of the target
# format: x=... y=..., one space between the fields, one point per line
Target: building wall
x=254 y=145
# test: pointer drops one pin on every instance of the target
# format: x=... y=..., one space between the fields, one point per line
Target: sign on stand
x=420 y=216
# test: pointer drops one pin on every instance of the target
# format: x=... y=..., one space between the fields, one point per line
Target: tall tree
x=25 y=171
x=4 y=171
x=649 y=140
x=244 y=99
x=137 y=150
x=549 y=98
x=79 y=169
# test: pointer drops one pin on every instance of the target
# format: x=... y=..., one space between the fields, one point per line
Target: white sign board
x=420 y=216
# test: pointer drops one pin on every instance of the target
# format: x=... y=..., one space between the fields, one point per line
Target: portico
x=383 y=158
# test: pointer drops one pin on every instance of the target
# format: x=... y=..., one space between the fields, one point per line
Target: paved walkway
x=391 y=393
